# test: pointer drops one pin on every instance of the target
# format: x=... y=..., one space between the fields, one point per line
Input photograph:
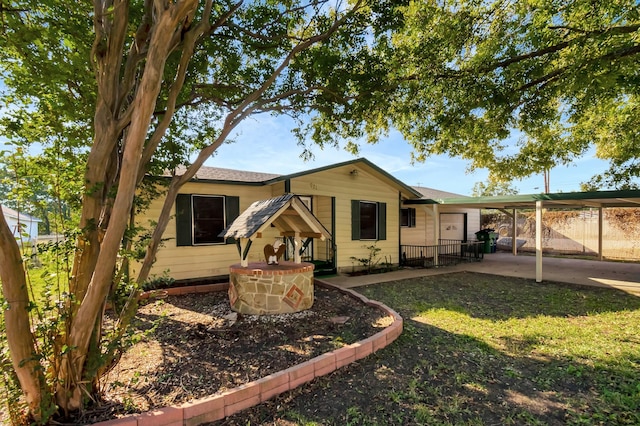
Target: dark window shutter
x=355 y=219
x=232 y=205
x=412 y=218
x=382 y=221
x=184 y=224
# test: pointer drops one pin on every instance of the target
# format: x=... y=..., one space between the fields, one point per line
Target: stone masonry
x=261 y=289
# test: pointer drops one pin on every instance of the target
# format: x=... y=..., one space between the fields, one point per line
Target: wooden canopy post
x=297 y=244
x=244 y=244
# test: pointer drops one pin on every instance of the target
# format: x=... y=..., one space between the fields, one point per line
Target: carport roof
x=626 y=198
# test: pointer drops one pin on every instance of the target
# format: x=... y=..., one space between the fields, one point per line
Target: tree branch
x=191 y=39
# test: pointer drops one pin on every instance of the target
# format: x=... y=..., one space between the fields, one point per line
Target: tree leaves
x=479 y=80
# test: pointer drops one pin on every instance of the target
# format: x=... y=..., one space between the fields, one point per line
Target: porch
x=448 y=252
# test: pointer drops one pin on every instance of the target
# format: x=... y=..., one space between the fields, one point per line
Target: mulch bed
x=193 y=346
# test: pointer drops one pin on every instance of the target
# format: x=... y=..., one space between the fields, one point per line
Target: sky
x=265 y=144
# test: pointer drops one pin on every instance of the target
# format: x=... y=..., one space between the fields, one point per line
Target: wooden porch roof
x=287 y=213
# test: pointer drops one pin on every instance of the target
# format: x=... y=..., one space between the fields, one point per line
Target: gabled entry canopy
x=287 y=213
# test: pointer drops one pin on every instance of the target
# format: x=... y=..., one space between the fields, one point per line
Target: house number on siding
x=313 y=186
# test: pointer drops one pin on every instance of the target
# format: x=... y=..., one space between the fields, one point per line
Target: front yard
x=481 y=350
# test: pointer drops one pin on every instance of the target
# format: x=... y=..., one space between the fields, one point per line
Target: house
x=424 y=214
x=23 y=226
x=359 y=203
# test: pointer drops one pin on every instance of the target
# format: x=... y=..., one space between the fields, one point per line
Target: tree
x=130 y=88
x=41 y=188
x=559 y=78
x=493 y=188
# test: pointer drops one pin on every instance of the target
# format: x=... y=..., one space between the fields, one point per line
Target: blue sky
x=265 y=144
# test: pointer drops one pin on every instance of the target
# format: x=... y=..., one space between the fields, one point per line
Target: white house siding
x=23 y=226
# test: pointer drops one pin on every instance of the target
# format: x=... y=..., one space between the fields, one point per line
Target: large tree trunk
x=69 y=392
x=19 y=338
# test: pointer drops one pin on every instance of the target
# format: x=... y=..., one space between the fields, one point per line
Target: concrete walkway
x=623 y=276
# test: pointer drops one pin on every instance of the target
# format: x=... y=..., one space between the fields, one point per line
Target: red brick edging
x=221 y=405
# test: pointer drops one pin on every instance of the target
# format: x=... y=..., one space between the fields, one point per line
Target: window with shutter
x=201 y=218
x=368 y=220
x=408 y=217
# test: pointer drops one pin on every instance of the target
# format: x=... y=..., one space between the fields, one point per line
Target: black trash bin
x=484 y=235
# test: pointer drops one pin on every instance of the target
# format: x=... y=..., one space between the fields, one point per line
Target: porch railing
x=447 y=252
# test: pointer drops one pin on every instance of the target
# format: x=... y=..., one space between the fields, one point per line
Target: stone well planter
x=260 y=289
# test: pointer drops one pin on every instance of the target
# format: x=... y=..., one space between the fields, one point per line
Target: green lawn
x=480 y=350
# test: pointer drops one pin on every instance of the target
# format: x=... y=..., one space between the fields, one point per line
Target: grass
x=44 y=279
x=554 y=337
x=480 y=349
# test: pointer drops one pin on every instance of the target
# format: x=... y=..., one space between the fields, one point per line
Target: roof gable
x=407 y=190
x=222 y=175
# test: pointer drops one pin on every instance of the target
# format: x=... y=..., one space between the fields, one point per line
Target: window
x=208 y=219
x=408 y=217
x=201 y=218
x=368 y=220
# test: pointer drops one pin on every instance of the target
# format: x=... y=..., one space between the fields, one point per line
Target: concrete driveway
x=624 y=276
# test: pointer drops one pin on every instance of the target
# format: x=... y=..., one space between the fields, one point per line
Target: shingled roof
x=229 y=176
x=219 y=174
x=435 y=194
x=286 y=212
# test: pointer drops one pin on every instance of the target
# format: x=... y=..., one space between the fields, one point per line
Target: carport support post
x=600 y=226
x=514 y=232
x=538 y=241
x=436 y=234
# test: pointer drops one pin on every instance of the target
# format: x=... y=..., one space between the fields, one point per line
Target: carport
x=570 y=200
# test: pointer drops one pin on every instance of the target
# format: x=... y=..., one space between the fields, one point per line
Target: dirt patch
x=193 y=346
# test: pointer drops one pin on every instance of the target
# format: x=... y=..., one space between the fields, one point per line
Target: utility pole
x=546 y=181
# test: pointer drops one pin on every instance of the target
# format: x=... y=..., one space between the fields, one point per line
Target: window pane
x=208 y=219
x=404 y=217
x=368 y=221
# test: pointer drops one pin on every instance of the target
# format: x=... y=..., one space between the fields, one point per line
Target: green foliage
x=46 y=187
x=492 y=188
x=371 y=261
x=83 y=131
x=48 y=317
x=159 y=282
x=515 y=87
